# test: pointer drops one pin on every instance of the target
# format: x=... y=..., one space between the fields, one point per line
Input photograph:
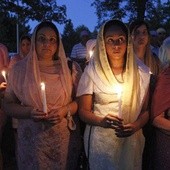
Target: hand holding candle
x=119 y=96
x=43 y=97
x=4 y=75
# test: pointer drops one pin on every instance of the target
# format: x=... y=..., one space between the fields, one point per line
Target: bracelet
x=68 y=113
x=70 y=122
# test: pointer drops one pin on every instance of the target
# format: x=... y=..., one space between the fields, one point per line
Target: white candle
x=119 y=96
x=90 y=53
x=4 y=75
x=43 y=97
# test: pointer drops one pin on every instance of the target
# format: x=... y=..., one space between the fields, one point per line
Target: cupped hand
x=37 y=115
x=112 y=121
x=55 y=116
x=126 y=130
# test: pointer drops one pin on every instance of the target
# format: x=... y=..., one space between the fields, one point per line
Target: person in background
x=111 y=95
x=161 y=113
x=90 y=45
x=139 y=30
x=154 y=44
x=48 y=136
x=141 y=41
x=24 y=48
x=161 y=35
x=4 y=61
x=79 y=51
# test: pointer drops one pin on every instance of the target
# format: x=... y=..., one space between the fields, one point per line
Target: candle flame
x=3 y=73
x=119 y=91
x=42 y=86
x=90 y=53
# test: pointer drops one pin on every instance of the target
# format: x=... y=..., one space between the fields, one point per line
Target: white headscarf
x=131 y=95
x=28 y=71
x=164 y=52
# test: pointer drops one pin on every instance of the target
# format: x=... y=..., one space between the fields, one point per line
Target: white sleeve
x=85 y=85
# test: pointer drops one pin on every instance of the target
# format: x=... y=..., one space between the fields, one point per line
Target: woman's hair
x=116 y=23
x=49 y=24
x=136 y=24
x=25 y=37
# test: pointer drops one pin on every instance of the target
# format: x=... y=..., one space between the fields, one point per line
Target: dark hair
x=52 y=26
x=25 y=37
x=136 y=24
x=117 y=23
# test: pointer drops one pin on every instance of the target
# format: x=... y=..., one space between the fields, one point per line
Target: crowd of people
x=106 y=107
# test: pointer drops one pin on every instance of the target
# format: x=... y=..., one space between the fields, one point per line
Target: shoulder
x=3 y=47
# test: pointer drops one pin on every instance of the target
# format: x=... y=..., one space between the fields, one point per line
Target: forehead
x=141 y=27
x=47 y=31
x=114 y=30
x=25 y=41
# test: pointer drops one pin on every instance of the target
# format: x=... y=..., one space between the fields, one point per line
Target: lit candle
x=4 y=75
x=90 y=53
x=119 y=95
x=43 y=97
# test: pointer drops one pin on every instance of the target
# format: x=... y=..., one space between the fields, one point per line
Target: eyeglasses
x=42 y=39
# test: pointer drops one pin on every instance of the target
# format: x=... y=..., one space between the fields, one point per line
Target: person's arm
x=87 y=115
x=13 y=107
x=130 y=128
x=162 y=123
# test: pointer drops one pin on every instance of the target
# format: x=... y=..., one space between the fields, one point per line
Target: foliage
x=21 y=11
x=156 y=12
x=71 y=36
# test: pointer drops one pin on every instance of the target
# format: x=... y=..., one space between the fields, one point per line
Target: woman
x=161 y=113
x=141 y=40
x=45 y=138
x=113 y=137
x=25 y=45
x=4 y=62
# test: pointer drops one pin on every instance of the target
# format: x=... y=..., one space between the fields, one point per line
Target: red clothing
x=161 y=103
x=161 y=97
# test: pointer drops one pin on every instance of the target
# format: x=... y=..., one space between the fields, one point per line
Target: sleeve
x=76 y=75
x=85 y=85
x=73 y=52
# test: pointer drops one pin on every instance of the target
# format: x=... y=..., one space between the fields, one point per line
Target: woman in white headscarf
x=113 y=136
x=45 y=136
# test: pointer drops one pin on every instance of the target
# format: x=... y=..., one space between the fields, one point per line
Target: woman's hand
x=112 y=121
x=37 y=115
x=126 y=130
x=3 y=86
x=56 y=116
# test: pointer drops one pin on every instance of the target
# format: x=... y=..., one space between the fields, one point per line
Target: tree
x=155 y=12
x=69 y=37
x=21 y=11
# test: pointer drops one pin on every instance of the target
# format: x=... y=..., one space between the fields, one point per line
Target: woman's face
x=46 y=43
x=25 y=46
x=140 y=36
x=115 y=42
